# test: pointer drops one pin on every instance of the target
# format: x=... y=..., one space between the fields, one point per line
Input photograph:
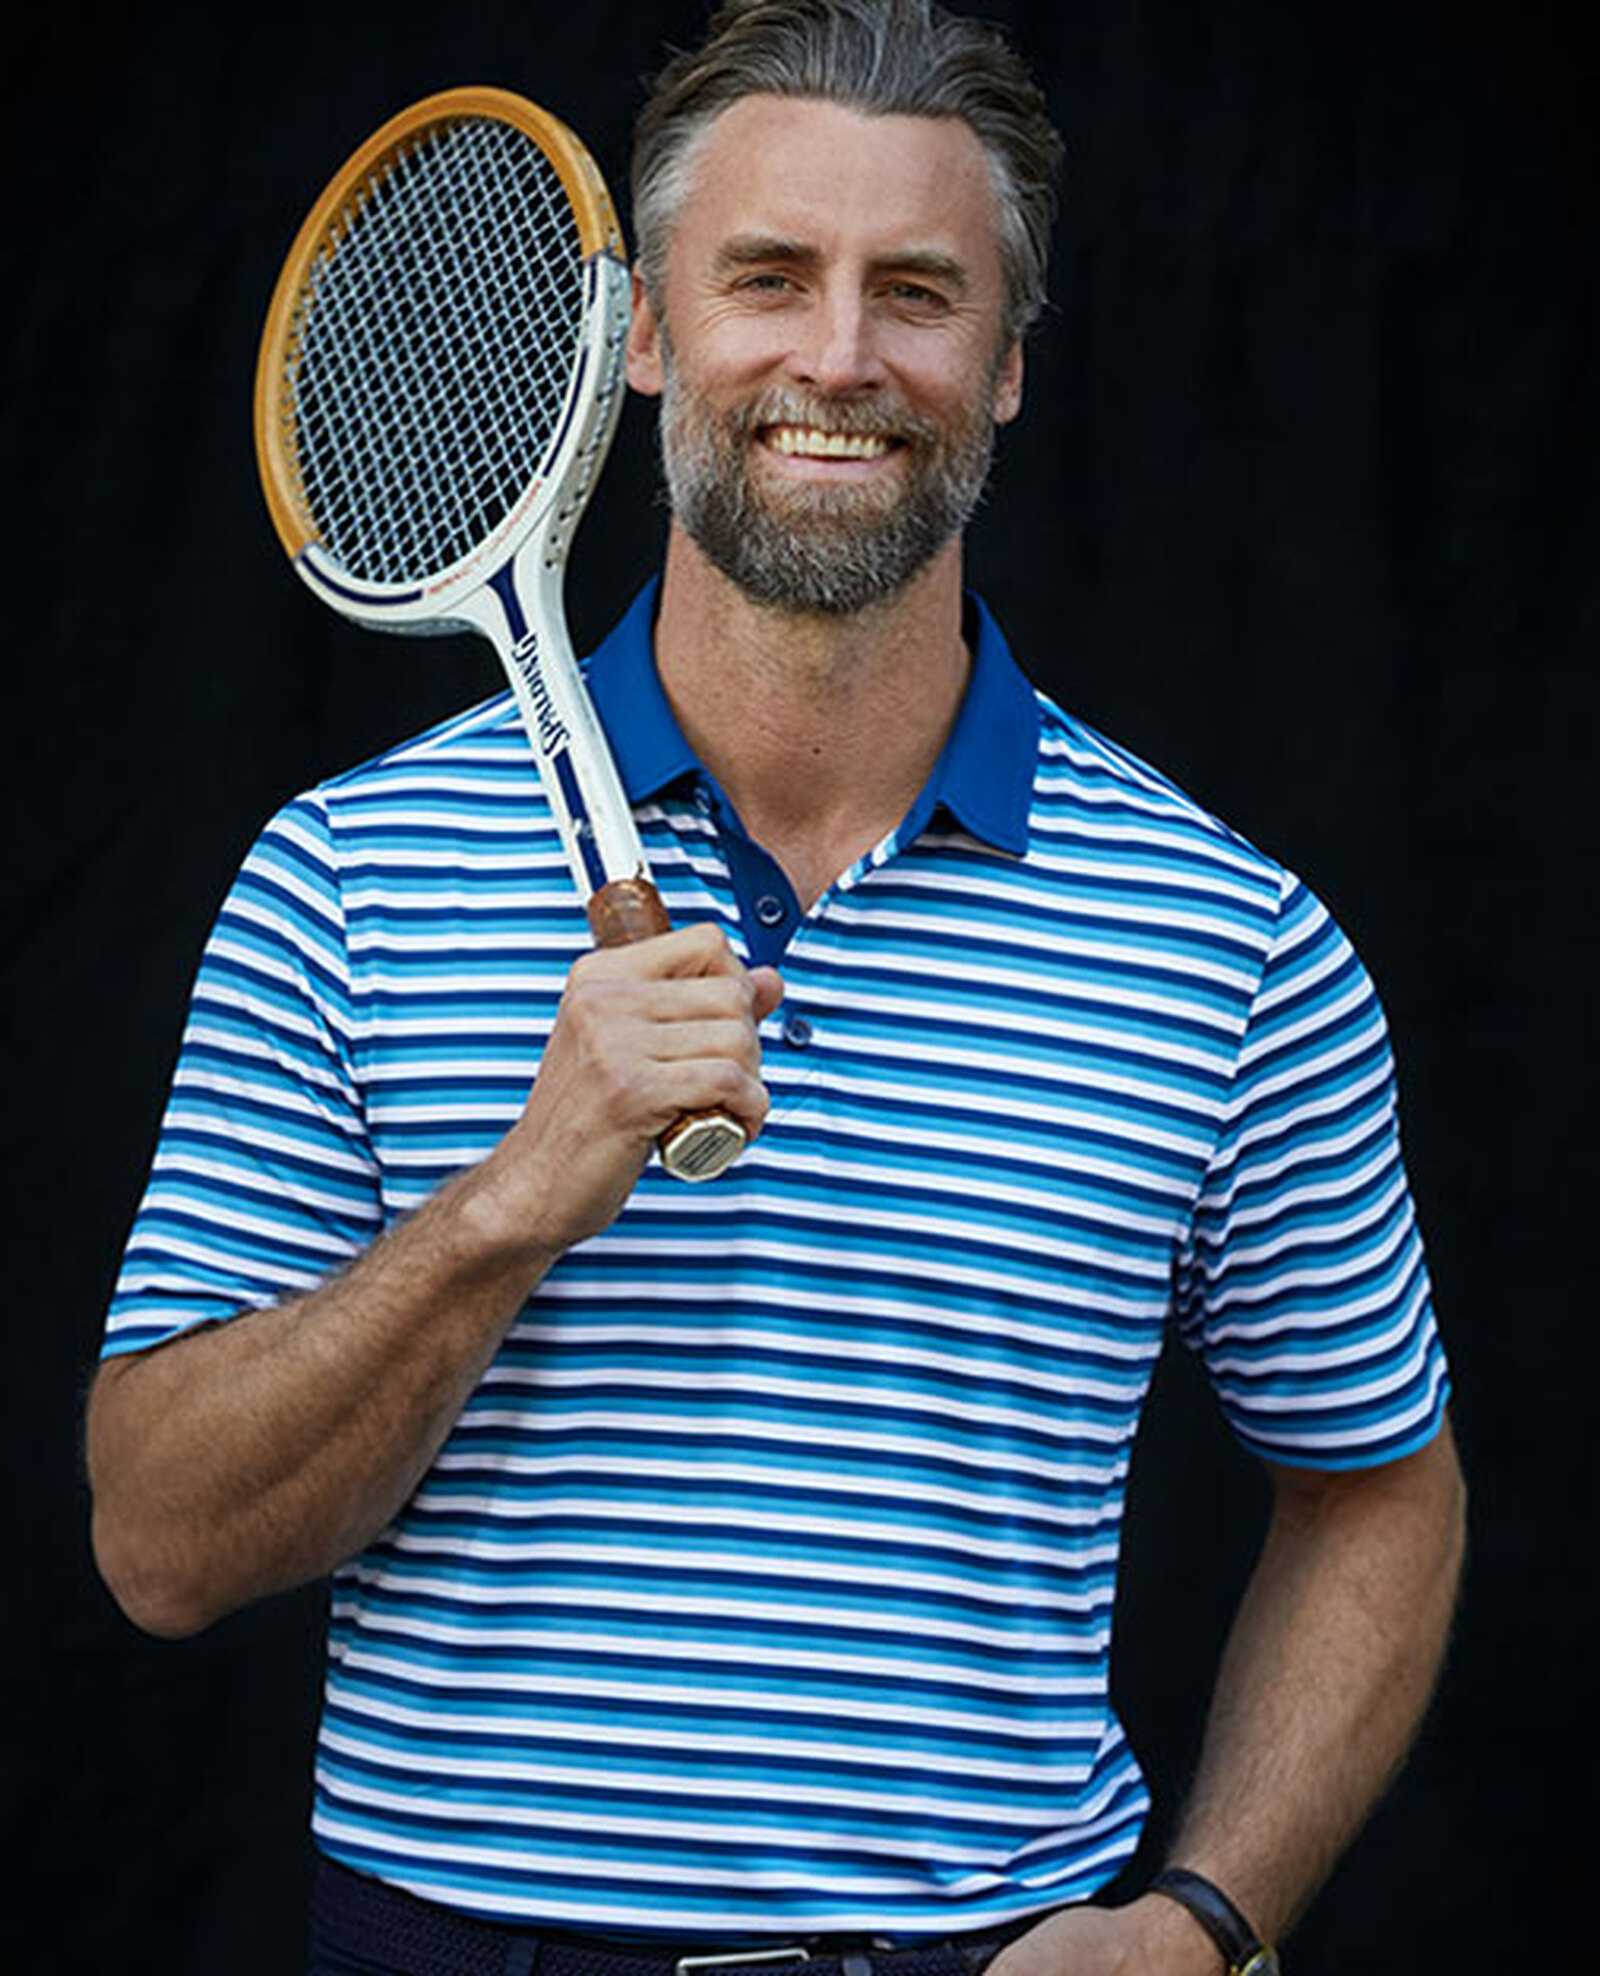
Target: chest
x=990 y=1079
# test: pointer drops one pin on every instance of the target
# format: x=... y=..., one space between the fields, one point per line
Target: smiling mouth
x=810 y=442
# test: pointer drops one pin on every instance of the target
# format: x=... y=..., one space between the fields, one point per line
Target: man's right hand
x=644 y=1034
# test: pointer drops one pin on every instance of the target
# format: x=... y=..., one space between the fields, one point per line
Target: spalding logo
x=552 y=728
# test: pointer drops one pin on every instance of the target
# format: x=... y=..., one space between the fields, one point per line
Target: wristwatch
x=1246 y=1953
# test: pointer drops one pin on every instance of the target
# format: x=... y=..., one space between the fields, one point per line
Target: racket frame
x=510 y=586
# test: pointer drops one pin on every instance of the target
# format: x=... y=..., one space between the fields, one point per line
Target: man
x=728 y=1571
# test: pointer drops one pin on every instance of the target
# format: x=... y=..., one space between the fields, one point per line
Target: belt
x=362 y=1917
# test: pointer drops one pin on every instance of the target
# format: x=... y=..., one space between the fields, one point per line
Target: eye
x=917 y=298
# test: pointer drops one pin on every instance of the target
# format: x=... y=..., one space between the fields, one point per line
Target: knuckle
x=583 y=1010
x=612 y=1079
x=585 y=997
x=586 y=967
x=728 y=1000
x=725 y=1080
x=714 y=942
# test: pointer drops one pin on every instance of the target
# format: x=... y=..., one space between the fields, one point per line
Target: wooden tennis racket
x=439 y=380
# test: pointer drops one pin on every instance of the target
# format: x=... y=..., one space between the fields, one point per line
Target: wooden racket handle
x=700 y=1145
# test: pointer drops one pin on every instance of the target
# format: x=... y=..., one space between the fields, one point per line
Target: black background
x=1303 y=508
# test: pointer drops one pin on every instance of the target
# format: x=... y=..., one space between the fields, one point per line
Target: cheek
x=713 y=331
x=948 y=369
x=742 y=351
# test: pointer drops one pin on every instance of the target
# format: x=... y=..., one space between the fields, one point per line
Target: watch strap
x=1245 y=1952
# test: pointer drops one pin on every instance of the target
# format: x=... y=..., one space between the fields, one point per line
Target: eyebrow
x=746 y=250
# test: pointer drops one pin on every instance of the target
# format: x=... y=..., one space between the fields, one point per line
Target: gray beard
x=826 y=550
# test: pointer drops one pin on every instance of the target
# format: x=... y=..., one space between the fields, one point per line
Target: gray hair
x=882 y=58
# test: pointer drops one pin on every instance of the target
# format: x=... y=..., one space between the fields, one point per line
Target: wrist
x=495 y=1221
x=1235 y=1940
x=1171 y=1940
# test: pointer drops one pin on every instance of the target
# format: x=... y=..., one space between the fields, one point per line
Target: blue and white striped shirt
x=765 y=1584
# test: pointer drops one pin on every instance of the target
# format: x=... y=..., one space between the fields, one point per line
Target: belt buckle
x=686 y=1965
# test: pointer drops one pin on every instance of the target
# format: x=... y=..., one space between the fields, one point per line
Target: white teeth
x=810 y=442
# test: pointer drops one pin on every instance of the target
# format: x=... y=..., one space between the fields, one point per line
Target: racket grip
x=700 y=1145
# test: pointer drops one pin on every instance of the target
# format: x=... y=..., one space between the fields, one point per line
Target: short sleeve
x=263 y=1183
x=1304 y=1288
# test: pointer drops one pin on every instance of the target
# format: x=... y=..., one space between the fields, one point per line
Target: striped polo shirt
x=765 y=1584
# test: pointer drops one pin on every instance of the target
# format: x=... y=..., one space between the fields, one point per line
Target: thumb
x=767 y=983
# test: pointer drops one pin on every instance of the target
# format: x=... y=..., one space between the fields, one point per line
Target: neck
x=822 y=730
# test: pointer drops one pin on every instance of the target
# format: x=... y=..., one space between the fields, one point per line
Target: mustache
x=857 y=418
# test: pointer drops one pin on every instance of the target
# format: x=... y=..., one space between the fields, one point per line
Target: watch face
x=1261 y=1962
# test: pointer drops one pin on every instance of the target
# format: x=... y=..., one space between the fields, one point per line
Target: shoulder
x=1095 y=799
x=471 y=766
x=466 y=779
x=476 y=743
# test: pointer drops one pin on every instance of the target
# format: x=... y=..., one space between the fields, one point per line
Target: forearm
x=1328 y=1669
x=258 y=1454
x=263 y=1452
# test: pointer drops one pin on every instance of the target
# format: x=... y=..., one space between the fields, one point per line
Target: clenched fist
x=644 y=1034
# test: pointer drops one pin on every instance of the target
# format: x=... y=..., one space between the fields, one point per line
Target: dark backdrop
x=1303 y=508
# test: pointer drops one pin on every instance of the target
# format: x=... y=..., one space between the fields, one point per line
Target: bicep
x=1304 y=1287
x=1415 y=1505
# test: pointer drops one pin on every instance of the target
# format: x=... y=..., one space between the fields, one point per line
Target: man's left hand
x=1148 y=1937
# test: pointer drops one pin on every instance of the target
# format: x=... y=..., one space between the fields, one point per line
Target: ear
x=644 y=342
x=1008 y=385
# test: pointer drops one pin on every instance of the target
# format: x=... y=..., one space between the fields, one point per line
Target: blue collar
x=984 y=777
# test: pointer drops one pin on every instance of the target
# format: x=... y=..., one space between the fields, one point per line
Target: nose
x=836 y=351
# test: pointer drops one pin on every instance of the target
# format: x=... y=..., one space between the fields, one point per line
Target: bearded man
x=724 y=1577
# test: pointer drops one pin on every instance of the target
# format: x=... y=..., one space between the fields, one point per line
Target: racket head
x=440 y=364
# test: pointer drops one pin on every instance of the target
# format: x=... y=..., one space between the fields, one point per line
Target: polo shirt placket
x=983 y=779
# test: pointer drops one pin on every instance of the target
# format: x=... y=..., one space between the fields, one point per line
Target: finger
x=704 y=1084
x=682 y=1040
x=701 y=949
x=695 y=998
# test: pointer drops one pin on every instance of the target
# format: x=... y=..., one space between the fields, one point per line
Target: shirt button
x=770 y=910
x=796 y=1032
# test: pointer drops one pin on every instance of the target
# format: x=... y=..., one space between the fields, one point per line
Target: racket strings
x=434 y=341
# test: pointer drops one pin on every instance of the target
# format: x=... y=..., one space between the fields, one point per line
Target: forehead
x=840 y=181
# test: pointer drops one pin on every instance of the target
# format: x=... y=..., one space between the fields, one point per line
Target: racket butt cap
x=701 y=1147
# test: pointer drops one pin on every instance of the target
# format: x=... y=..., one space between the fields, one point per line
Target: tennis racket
x=439 y=381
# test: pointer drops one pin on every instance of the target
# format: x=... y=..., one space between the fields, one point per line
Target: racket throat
x=519 y=609
x=551 y=732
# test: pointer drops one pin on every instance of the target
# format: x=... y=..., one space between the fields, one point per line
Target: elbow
x=141 y=1540
x=157 y=1598
x=160 y=1617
